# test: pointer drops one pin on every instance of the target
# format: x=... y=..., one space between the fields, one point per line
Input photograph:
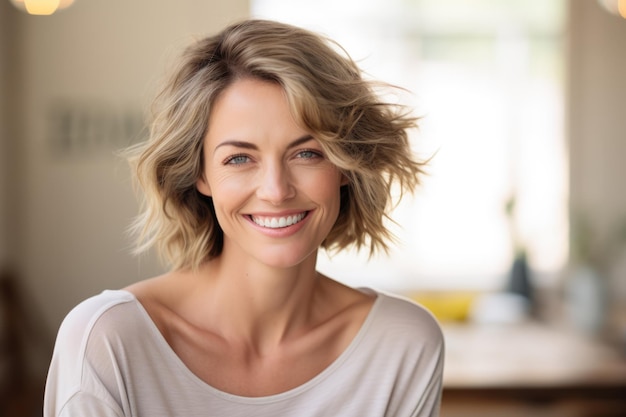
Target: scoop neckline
x=167 y=350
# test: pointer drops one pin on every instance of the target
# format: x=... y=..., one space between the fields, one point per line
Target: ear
x=203 y=186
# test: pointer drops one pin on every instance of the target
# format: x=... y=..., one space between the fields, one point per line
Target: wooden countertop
x=528 y=355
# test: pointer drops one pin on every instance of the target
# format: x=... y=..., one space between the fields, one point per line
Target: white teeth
x=278 y=222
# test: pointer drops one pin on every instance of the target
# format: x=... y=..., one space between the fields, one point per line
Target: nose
x=275 y=184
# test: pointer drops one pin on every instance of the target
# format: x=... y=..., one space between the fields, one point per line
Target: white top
x=110 y=360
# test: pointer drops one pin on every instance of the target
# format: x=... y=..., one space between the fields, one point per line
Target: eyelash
x=230 y=159
x=314 y=154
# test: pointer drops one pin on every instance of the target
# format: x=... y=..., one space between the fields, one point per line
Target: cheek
x=326 y=185
x=228 y=194
x=222 y=183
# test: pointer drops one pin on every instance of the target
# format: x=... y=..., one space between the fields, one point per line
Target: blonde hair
x=363 y=136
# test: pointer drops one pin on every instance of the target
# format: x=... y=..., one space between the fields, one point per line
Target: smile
x=278 y=222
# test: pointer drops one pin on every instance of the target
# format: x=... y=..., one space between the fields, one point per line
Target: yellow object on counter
x=446 y=305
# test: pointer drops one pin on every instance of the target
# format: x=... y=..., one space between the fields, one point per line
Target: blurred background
x=516 y=240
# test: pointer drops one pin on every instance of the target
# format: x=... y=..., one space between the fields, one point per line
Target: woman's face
x=275 y=193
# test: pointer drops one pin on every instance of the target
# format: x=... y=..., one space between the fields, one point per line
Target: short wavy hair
x=364 y=136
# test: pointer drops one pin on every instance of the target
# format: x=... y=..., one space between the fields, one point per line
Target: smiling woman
x=266 y=145
x=260 y=167
x=327 y=97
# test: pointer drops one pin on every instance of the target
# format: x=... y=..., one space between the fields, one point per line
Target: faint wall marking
x=92 y=127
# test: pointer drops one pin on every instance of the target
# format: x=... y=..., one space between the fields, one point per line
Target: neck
x=257 y=305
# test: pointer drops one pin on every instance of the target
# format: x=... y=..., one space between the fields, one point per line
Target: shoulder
x=84 y=320
x=405 y=312
x=405 y=351
x=404 y=320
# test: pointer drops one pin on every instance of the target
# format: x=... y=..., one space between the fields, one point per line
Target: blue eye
x=309 y=154
x=237 y=160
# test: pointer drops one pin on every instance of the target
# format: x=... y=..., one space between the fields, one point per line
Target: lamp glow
x=41 y=7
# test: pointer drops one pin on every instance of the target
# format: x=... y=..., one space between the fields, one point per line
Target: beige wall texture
x=597 y=136
x=6 y=29
x=85 y=76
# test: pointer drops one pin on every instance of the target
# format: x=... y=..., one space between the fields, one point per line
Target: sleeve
x=416 y=343
x=84 y=404
x=72 y=389
x=430 y=402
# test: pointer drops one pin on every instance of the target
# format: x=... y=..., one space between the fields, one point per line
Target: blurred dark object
x=520 y=282
x=24 y=347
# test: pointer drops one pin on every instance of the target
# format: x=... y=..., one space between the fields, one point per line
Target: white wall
x=93 y=64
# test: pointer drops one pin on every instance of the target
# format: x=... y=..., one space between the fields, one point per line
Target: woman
x=266 y=145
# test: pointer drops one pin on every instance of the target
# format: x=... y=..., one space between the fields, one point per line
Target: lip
x=273 y=218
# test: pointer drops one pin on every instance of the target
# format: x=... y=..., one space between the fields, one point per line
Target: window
x=487 y=79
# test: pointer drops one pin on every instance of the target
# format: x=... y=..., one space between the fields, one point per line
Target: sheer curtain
x=486 y=77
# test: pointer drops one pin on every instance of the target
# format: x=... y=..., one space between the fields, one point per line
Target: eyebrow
x=248 y=145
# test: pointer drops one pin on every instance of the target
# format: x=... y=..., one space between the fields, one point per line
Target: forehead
x=252 y=109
